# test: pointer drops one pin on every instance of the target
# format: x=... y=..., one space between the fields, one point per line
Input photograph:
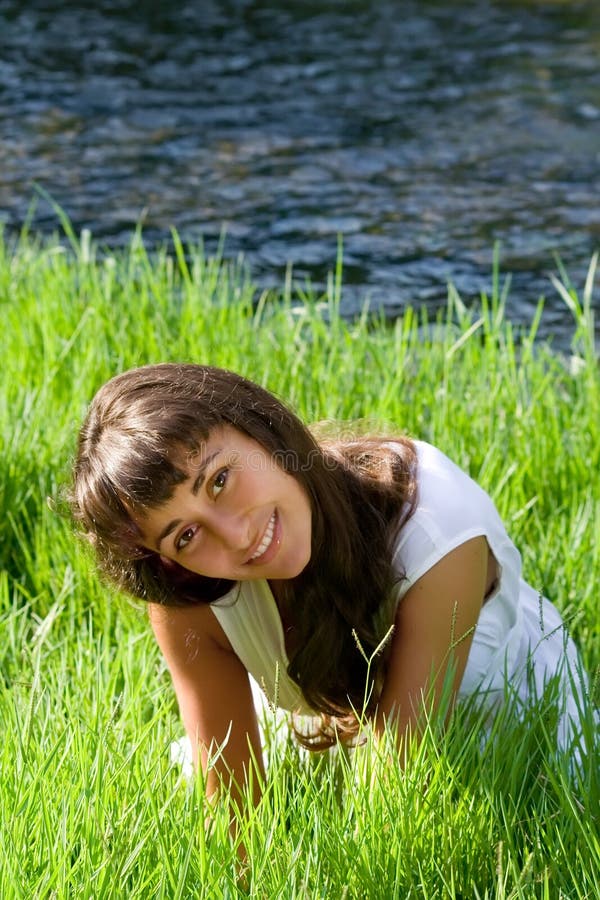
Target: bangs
x=128 y=476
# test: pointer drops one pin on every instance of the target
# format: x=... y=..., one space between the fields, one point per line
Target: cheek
x=305 y=517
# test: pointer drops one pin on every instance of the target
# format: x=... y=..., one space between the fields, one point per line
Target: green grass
x=89 y=805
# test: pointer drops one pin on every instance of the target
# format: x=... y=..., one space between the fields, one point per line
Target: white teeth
x=267 y=538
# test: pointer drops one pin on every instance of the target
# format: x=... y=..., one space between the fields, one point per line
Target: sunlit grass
x=89 y=805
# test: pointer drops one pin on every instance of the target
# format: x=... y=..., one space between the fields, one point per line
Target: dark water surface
x=422 y=131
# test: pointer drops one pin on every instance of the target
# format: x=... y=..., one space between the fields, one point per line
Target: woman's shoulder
x=183 y=626
x=451 y=509
x=447 y=493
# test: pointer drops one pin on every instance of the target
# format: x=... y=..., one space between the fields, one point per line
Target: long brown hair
x=141 y=426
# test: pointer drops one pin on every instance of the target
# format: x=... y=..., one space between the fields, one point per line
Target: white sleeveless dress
x=517 y=628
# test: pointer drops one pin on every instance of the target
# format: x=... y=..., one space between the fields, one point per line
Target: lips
x=267 y=542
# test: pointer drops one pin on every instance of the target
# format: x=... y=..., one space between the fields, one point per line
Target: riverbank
x=88 y=801
x=423 y=135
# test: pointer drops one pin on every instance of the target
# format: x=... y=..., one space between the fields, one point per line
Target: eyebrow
x=196 y=485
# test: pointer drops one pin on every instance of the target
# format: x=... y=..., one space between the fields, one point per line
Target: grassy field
x=89 y=804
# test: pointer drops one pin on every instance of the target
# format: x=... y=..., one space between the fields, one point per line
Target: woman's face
x=237 y=516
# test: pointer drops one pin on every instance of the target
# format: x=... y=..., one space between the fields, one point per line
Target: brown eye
x=184 y=539
x=219 y=482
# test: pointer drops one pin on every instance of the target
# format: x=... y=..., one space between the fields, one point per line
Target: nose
x=233 y=530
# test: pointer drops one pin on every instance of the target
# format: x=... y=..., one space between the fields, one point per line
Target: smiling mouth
x=267 y=539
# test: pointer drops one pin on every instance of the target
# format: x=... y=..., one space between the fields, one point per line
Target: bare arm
x=432 y=637
x=214 y=696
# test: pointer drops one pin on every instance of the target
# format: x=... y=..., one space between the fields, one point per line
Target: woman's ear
x=174 y=568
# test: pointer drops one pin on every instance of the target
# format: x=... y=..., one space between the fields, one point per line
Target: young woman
x=354 y=580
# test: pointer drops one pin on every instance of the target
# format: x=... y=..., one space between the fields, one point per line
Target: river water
x=423 y=132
